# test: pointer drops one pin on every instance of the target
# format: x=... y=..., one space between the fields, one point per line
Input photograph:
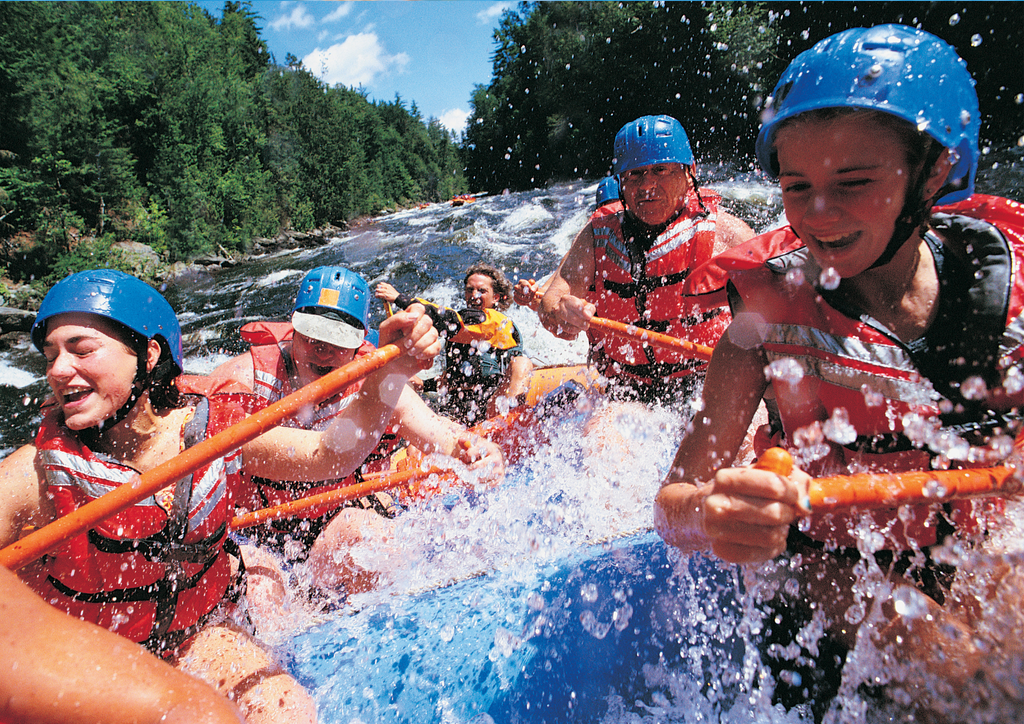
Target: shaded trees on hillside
x=566 y=76
x=158 y=123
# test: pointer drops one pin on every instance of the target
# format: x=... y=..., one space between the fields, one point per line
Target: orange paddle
x=891 y=490
x=372 y=484
x=46 y=538
x=655 y=339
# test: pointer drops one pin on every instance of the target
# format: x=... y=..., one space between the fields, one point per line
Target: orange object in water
x=655 y=339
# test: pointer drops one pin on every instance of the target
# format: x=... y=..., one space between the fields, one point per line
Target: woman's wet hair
x=502 y=286
x=163 y=392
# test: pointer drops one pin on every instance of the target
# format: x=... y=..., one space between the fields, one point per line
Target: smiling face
x=479 y=292
x=314 y=359
x=655 y=194
x=843 y=182
x=89 y=368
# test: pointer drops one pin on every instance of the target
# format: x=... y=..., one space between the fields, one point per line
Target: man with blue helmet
x=888 y=339
x=327 y=329
x=163 y=572
x=632 y=263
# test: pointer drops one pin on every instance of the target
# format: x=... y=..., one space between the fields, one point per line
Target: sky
x=432 y=52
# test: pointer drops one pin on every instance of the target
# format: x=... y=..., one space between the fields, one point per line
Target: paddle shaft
x=334 y=497
x=125 y=496
x=890 y=490
x=655 y=339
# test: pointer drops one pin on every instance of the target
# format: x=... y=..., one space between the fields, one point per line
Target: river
x=548 y=599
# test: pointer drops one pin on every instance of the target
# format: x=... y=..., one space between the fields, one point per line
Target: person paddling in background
x=632 y=264
x=328 y=329
x=530 y=292
x=485 y=364
x=163 y=572
x=56 y=669
x=878 y=337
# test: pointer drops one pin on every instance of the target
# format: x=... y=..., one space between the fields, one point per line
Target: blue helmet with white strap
x=893 y=69
x=333 y=305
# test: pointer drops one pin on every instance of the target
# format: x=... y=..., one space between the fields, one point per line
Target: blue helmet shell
x=608 y=190
x=116 y=296
x=335 y=289
x=649 y=140
x=894 y=69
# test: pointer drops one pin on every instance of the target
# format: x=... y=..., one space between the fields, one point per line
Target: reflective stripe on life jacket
x=889 y=405
x=153 y=572
x=652 y=290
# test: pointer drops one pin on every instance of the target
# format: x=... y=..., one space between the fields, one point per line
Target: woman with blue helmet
x=883 y=342
x=163 y=573
x=632 y=263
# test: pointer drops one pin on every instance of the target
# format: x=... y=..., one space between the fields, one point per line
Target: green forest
x=157 y=123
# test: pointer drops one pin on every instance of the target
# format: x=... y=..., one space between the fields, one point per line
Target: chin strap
x=915 y=212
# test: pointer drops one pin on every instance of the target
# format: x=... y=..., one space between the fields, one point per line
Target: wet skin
x=655 y=194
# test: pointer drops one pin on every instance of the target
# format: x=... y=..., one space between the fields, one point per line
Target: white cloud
x=493 y=12
x=356 y=61
x=337 y=14
x=454 y=120
x=297 y=18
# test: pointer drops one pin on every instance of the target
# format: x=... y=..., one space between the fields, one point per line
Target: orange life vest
x=887 y=405
x=154 y=572
x=653 y=290
x=270 y=352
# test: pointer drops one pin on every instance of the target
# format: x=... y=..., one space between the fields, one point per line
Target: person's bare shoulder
x=730 y=231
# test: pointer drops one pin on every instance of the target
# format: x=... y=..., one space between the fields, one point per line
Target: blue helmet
x=649 y=140
x=116 y=296
x=608 y=190
x=332 y=306
x=895 y=69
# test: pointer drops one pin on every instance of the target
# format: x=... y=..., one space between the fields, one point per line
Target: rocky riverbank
x=19 y=301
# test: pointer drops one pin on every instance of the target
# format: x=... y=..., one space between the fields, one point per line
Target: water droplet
x=975 y=40
x=872 y=398
x=954 y=19
x=829 y=278
x=447 y=633
x=909 y=602
x=973 y=388
x=785 y=370
x=1013 y=380
x=594 y=627
x=794 y=277
x=838 y=428
x=589 y=592
x=934 y=489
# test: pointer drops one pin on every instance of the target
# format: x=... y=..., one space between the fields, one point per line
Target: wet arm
x=730 y=231
x=733 y=388
x=430 y=432
x=54 y=668
x=21 y=494
x=564 y=310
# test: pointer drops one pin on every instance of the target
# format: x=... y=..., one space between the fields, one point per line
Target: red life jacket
x=653 y=290
x=270 y=352
x=154 y=572
x=883 y=401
